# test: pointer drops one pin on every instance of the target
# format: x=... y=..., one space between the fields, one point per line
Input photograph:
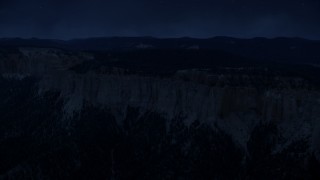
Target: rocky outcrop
x=230 y=103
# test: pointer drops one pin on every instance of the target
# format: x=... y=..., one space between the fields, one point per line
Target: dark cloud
x=197 y=18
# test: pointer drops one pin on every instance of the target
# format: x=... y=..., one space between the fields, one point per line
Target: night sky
x=66 y=19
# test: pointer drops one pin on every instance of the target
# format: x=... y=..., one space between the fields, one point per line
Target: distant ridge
x=97 y=43
x=275 y=49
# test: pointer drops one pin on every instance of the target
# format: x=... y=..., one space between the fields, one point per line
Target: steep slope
x=223 y=122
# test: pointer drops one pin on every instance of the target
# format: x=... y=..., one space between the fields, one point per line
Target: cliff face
x=277 y=116
x=238 y=109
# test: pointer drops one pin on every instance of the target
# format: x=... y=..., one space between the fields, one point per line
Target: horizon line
x=154 y=37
